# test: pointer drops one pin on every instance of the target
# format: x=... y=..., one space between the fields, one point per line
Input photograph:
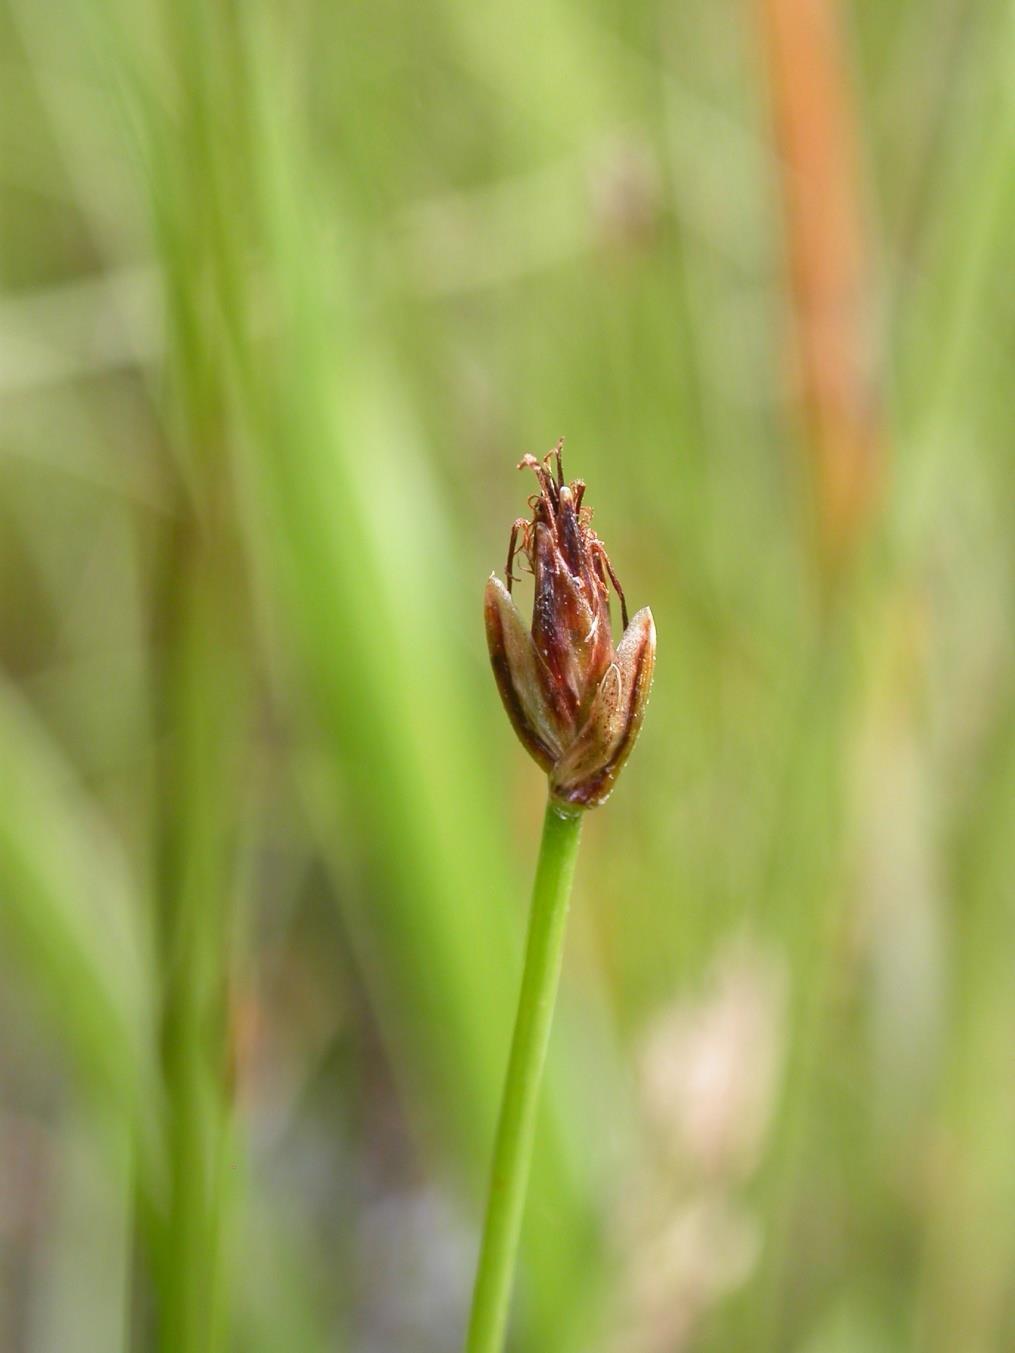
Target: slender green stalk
x=203 y=699
x=516 y=1128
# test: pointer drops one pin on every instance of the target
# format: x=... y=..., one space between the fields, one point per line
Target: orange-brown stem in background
x=815 y=133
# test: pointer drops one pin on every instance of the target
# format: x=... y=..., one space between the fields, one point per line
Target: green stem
x=203 y=696
x=516 y=1127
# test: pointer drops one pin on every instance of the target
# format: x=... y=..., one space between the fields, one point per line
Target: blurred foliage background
x=287 y=292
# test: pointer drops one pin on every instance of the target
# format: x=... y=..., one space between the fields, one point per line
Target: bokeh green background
x=287 y=291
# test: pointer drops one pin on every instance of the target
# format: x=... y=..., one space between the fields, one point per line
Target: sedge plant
x=576 y=702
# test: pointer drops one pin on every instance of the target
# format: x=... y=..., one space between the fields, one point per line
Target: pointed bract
x=515 y=668
x=586 y=772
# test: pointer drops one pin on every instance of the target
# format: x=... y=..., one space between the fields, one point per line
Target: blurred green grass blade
x=67 y=910
x=196 y=823
x=366 y=570
x=964 y=1299
x=204 y=698
x=944 y=338
x=364 y=566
